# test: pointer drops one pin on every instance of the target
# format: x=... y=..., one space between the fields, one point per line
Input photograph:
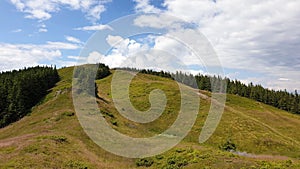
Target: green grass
x=51 y=137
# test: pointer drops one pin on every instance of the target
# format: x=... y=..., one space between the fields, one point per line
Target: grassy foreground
x=51 y=136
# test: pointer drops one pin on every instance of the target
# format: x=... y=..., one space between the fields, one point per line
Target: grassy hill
x=51 y=136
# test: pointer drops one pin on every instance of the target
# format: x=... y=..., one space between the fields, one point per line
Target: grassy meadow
x=52 y=137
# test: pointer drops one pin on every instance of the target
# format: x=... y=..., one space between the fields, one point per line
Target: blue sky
x=255 y=41
x=18 y=29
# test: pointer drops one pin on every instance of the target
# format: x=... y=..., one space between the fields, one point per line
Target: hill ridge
x=51 y=136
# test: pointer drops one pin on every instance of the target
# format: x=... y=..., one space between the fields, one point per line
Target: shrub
x=106 y=113
x=176 y=162
x=114 y=122
x=77 y=165
x=145 y=162
x=180 y=150
x=159 y=157
x=228 y=146
x=59 y=139
x=69 y=114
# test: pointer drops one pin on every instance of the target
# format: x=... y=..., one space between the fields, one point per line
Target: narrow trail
x=15 y=140
x=261 y=156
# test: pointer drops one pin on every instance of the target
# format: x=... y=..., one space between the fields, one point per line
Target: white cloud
x=43 y=9
x=157 y=21
x=42 y=25
x=283 y=79
x=133 y=53
x=95 y=12
x=75 y=57
x=193 y=10
x=43 y=30
x=38 y=14
x=119 y=55
x=94 y=28
x=249 y=34
x=260 y=36
x=19 y=56
x=145 y=6
x=14 y=56
x=113 y=60
x=60 y=45
x=112 y=40
x=17 y=31
x=72 y=39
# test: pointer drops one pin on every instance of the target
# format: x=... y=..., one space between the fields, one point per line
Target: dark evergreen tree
x=21 y=90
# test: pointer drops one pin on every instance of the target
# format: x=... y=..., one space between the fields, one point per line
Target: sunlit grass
x=51 y=136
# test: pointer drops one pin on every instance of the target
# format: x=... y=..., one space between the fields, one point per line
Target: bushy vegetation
x=103 y=71
x=59 y=139
x=77 y=164
x=20 y=90
x=228 y=146
x=144 y=162
x=175 y=159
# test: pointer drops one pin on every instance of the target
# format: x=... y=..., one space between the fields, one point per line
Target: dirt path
x=261 y=156
x=14 y=140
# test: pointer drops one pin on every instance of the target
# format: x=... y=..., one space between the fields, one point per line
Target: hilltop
x=51 y=135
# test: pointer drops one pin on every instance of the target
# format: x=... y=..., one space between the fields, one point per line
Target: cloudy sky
x=255 y=40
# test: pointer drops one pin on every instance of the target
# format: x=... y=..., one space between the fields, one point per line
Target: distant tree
x=102 y=71
x=295 y=103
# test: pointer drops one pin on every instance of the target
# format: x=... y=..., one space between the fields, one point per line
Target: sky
x=255 y=41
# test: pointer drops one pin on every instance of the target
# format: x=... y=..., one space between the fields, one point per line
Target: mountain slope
x=51 y=136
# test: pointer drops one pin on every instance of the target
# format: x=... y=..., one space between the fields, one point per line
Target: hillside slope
x=51 y=136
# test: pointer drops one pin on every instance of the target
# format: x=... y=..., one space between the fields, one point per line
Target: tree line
x=281 y=99
x=21 y=89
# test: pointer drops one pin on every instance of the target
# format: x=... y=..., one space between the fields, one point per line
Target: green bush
x=77 y=165
x=176 y=162
x=159 y=157
x=228 y=146
x=69 y=114
x=114 y=122
x=59 y=139
x=106 y=113
x=144 y=162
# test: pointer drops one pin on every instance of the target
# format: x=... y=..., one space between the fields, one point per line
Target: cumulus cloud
x=112 y=40
x=43 y=9
x=260 y=36
x=136 y=53
x=94 y=28
x=145 y=7
x=14 y=56
x=122 y=50
x=248 y=33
